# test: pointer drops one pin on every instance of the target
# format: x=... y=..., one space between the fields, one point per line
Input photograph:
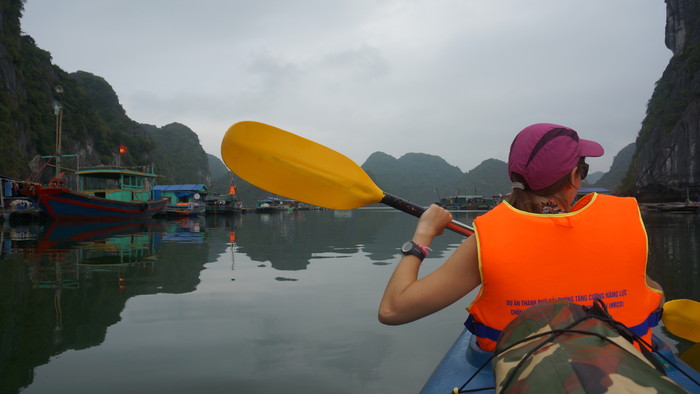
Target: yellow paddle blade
x=682 y=318
x=294 y=167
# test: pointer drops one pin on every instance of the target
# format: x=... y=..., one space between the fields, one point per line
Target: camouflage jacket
x=578 y=361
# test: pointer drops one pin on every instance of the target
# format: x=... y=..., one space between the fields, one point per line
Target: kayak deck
x=464 y=359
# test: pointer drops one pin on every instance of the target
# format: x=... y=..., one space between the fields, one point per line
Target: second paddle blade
x=682 y=318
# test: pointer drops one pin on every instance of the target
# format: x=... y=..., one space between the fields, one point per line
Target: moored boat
x=224 y=204
x=184 y=209
x=274 y=204
x=104 y=193
x=183 y=200
x=290 y=205
x=466 y=203
x=269 y=204
x=465 y=360
x=687 y=206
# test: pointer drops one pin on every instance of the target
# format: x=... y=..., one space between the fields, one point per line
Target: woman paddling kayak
x=536 y=247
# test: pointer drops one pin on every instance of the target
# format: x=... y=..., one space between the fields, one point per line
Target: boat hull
x=465 y=357
x=223 y=210
x=64 y=204
x=183 y=210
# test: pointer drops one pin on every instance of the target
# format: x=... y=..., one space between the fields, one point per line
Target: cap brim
x=590 y=148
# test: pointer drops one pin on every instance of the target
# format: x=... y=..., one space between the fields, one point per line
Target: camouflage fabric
x=571 y=362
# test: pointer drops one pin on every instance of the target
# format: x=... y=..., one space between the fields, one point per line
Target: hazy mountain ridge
x=424 y=178
x=414 y=176
x=615 y=176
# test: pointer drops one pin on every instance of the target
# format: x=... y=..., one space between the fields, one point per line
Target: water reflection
x=290 y=240
x=674 y=252
x=63 y=285
x=185 y=230
x=262 y=284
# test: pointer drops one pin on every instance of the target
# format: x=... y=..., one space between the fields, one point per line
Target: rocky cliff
x=93 y=123
x=666 y=164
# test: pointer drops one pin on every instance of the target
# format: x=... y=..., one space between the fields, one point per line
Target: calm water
x=247 y=304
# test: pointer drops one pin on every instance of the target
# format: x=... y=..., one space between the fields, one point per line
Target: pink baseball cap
x=544 y=152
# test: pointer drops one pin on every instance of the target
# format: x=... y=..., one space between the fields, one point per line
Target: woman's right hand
x=432 y=223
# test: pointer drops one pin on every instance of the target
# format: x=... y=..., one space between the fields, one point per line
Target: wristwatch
x=414 y=249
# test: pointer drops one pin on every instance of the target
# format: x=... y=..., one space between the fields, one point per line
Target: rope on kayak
x=463 y=390
x=598 y=312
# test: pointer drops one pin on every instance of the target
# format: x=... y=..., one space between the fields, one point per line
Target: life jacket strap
x=650 y=322
x=484 y=331
x=481 y=330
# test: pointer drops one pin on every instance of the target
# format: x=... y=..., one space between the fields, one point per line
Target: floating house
x=13 y=205
x=183 y=200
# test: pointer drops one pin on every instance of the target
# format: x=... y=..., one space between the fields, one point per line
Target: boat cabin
x=181 y=194
x=118 y=184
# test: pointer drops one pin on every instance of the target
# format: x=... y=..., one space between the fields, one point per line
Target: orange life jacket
x=597 y=250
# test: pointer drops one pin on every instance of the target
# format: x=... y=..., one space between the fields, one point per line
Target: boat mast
x=58 y=111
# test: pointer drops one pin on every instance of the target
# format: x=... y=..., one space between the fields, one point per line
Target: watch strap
x=423 y=249
x=415 y=249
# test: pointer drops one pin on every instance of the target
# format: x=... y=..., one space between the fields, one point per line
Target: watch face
x=407 y=247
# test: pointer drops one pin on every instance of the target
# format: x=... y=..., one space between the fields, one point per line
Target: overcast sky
x=453 y=78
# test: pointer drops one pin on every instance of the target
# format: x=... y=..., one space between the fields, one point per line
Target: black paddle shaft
x=417 y=210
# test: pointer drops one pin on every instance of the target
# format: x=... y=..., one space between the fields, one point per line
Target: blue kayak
x=465 y=358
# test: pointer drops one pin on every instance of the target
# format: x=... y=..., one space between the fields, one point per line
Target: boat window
x=131 y=181
x=98 y=183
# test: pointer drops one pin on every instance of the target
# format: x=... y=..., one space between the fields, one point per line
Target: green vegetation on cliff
x=664 y=166
x=93 y=122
